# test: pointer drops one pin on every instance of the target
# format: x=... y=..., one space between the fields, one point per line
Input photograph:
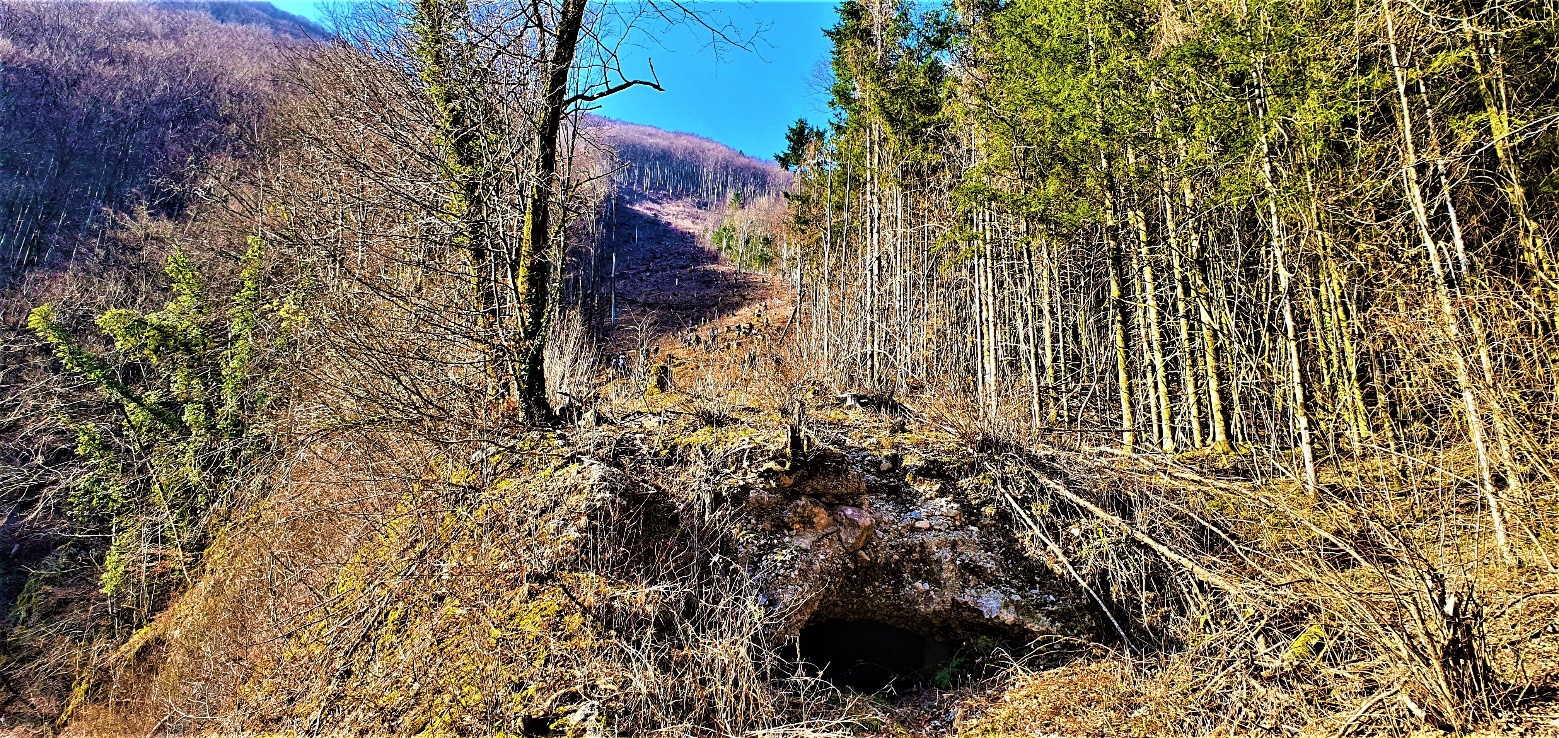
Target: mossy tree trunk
x=534 y=278
x=461 y=134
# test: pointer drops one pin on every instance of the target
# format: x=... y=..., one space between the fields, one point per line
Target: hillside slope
x=666 y=163
x=112 y=106
x=140 y=102
x=265 y=473
x=258 y=13
x=670 y=257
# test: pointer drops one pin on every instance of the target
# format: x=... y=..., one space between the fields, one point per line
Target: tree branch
x=614 y=89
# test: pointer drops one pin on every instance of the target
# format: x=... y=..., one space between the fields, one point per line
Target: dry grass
x=1356 y=613
x=573 y=366
x=389 y=586
x=1104 y=697
x=373 y=595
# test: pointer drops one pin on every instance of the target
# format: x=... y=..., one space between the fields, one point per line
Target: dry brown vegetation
x=402 y=554
x=1297 y=252
x=108 y=106
x=545 y=583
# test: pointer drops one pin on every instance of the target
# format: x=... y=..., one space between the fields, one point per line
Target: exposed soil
x=670 y=280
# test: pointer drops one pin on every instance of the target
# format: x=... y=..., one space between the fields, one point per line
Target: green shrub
x=185 y=390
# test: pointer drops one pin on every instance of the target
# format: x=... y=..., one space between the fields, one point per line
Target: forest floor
x=721 y=331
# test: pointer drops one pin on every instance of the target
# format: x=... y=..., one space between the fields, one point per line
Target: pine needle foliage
x=187 y=393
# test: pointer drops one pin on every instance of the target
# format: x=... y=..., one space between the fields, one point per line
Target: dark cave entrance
x=871 y=656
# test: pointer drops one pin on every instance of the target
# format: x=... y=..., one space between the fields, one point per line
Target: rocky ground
x=849 y=528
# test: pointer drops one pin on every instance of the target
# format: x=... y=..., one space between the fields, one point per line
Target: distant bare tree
x=684 y=165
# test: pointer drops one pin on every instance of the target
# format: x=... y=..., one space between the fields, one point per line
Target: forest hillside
x=111 y=106
x=682 y=164
x=1096 y=369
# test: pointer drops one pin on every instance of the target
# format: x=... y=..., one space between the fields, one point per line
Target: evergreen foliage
x=187 y=393
x=1246 y=199
x=798 y=138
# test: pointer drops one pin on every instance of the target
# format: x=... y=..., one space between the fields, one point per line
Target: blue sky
x=742 y=98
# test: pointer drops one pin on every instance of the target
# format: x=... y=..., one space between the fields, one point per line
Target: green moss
x=711 y=437
x=1304 y=647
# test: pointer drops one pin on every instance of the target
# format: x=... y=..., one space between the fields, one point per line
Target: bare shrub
x=573 y=365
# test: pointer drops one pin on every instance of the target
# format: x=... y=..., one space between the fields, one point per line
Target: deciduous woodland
x=1098 y=367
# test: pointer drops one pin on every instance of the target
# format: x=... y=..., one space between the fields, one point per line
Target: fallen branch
x=1067 y=562
x=1197 y=570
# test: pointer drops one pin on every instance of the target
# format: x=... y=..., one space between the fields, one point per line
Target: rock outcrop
x=849 y=535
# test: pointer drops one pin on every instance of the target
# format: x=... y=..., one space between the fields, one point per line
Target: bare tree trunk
x=1442 y=290
x=1218 y=417
x=1047 y=331
x=1300 y=410
x=1497 y=415
x=1118 y=325
x=1154 y=337
x=1028 y=310
x=1189 y=388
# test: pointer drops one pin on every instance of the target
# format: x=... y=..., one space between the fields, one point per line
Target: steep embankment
x=663 y=275
x=668 y=278
x=114 y=119
x=622 y=579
